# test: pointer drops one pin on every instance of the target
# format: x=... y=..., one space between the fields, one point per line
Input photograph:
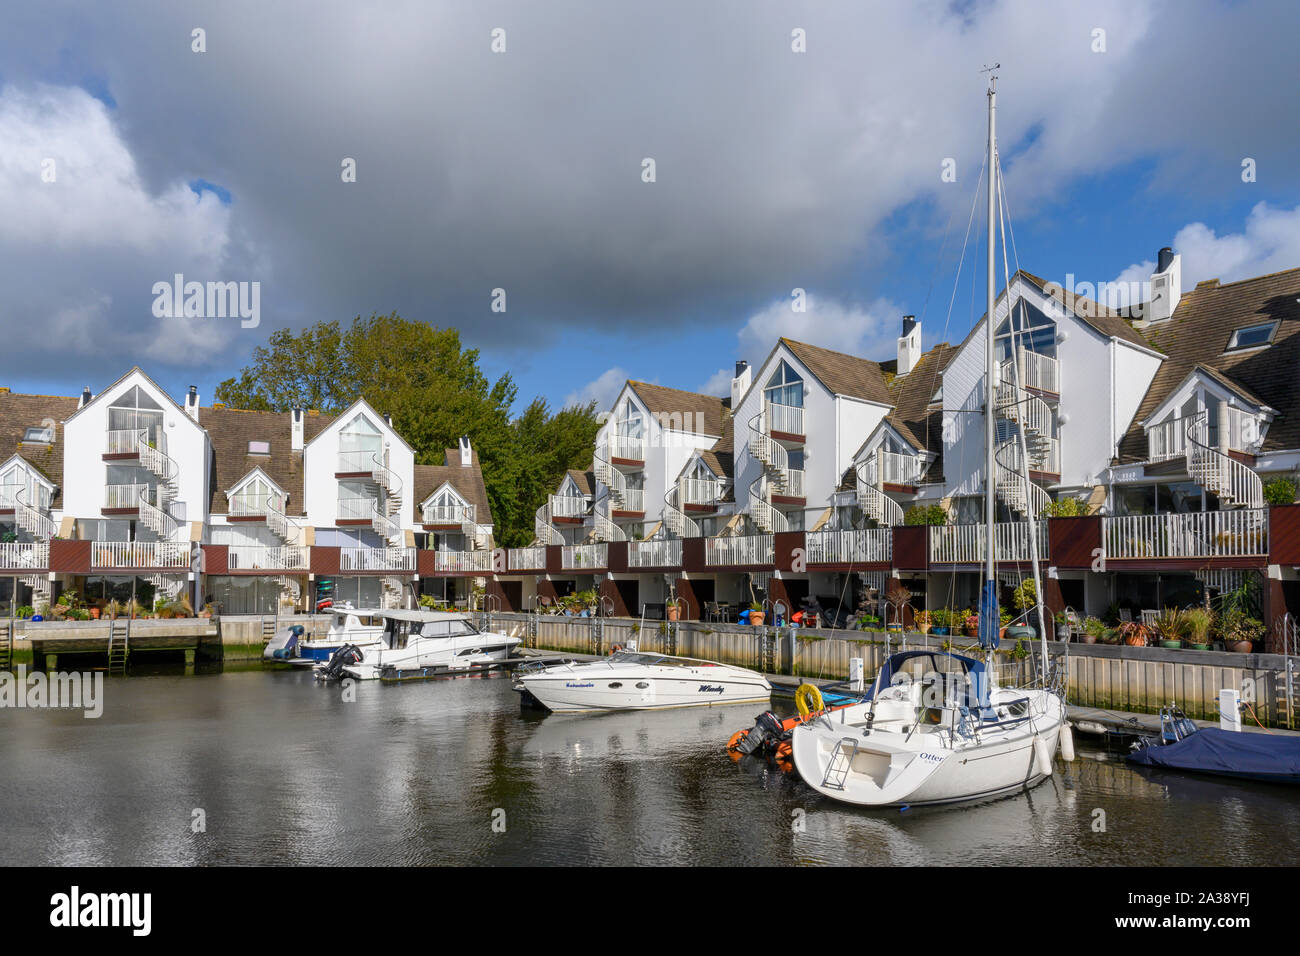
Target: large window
x=136 y=410
x=1034 y=332
x=785 y=387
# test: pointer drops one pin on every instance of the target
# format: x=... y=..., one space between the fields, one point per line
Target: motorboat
x=1182 y=745
x=348 y=625
x=420 y=643
x=635 y=680
x=934 y=728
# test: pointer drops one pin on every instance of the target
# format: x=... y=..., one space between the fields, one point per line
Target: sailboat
x=935 y=727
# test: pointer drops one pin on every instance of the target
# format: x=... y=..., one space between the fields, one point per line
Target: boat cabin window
x=447 y=629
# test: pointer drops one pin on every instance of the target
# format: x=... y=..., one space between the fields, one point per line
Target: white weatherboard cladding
x=320 y=463
x=856 y=420
x=85 y=473
x=963 y=425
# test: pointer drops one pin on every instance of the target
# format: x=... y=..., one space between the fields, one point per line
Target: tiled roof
x=1196 y=335
x=468 y=482
x=707 y=412
x=585 y=480
x=911 y=394
x=21 y=412
x=842 y=374
x=1102 y=318
x=231 y=429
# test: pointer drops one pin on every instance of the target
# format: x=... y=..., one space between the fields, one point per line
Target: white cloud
x=719 y=383
x=603 y=390
x=870 y=332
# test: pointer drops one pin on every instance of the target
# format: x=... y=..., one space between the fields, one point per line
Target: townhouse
x=1148 y=436
x=130 y=494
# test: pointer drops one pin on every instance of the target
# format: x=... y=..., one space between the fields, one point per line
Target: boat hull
x=600 y=686
x=450 y=653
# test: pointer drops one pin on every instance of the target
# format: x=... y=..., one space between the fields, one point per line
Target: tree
x=435 y=392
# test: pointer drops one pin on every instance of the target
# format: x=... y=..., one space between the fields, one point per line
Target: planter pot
x=939 y=631
x=1020 y=632
x=1199 y=647
x=1172 y=645
x=1241 y=647
x=673 y=612
x=973 y=631
x=894 y=628
x=94 y=614
x=1088 y=638
x=756 y=617
x=1002 y=633
x=1063 y=632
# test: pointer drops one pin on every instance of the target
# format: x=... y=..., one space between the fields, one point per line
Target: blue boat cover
x=1230 y=752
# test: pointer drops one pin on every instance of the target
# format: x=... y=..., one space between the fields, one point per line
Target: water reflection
x=288 y=771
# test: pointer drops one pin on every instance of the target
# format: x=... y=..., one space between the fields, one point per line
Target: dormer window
x=1252 y=336
x=259 y=448
x=39 y=434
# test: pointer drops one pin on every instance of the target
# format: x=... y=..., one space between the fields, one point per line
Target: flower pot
x=972 y=630
x=1199 y=647
x=939 y=631
x=674 y=612
x=1241 y=647
x=94 y=614
x=1088 y=638
x=1019 y=632
x=1172 y=645
x=756 y=618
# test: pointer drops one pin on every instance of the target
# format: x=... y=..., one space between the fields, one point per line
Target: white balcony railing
x=624 y=446
x=700 y=491
x=479 y=562
x=255 y=505
x=358 y=509
x=526 y=559
x=633 y=500
x=783 y=418
x=849 y=547
x=19 y=555
x=749 y=549
x=140 y=554
x=581 y=556
x=122 y=441
x=1036 y=371
x=7 y=495
x=965 y=543
x=256 y=557
x=892 y=468
x=450 y=514
x=655 y=554
x=1199 y=534
x=377 y=559
x=568 y=506
x=123 y=496
x=1168 y=439
x=794 y=483
x=358 y=462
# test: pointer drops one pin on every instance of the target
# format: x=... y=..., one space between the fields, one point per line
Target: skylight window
x=259 y=448
x=39 y=433
x=1252 y=336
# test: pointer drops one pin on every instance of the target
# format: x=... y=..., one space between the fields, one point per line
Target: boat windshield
x=657 y=660
x=456 y=628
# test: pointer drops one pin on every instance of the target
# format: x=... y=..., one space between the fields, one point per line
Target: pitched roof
x=842 y=374
x=21 y=412
x=707 y=412
x=231 y=429
x=585 y=480
x=720 y=457
x=1105 y=320
x=1196 y=336
x=468 y=482
x=911 y=395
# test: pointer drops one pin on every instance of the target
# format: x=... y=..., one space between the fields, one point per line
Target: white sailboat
x=935 y=727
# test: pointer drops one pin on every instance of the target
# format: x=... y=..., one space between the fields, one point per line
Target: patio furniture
x=1125 y=615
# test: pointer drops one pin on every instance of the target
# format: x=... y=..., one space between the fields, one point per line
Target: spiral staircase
x=875 y=504
x=156 y=514
x=386 y=520
x=774 y=480
x=544 y=532
x=1032 y=418
x=1235 y=484
x=676 y=520
x=31 y=519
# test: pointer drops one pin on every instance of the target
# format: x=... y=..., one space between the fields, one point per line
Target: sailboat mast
x=990 y=384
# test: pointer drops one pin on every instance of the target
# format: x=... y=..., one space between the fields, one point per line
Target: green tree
x=435 y=392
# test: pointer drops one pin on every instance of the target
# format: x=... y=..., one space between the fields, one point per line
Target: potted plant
x=1170 y=627
x=674 y=609
x=24 y=611
x=941 y=621
x=971 y=622
x=1062 y=626
x=922 y=621
x=1196 y=628
x=112 y=609
x=1135 y=634
x=756 y=615
x=1240 y=631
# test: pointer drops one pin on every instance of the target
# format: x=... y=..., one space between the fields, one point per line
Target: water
x=286 y=772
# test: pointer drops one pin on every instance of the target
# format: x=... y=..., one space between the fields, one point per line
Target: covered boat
x=1225 y=753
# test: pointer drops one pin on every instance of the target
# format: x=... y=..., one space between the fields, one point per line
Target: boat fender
x=614 y=649
x=1042 y=760
x=808 y=699
x=1067 y=743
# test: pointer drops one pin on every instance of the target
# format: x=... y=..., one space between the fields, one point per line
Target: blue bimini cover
x=1229 y=752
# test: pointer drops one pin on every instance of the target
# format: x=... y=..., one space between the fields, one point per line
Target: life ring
x=784 y=753
x=809 y=700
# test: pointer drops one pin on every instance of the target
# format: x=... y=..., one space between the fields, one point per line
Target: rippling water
x=288 y=772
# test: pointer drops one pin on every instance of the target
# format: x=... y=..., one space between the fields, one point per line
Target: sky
x=833 y=148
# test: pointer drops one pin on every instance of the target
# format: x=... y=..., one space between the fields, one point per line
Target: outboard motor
x=767 y=732
x=345 y=656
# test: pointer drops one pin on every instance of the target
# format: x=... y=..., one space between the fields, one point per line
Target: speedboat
x=420 y=643
x=348 y=625
x=934 y=728
x=634 y=680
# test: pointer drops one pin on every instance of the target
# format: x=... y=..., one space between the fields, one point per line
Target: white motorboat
x=934 y=728
x=634 y=680
x=348 y=625
x=420 y=643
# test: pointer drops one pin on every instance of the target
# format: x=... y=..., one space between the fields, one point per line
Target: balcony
x=700 y=493
x=140 y=554
x=363 y=462
x=461 y=517
x=377 y=559
x=463 y=562
x=578 y=557
x=568 y=507
x=1168 y=439
x=257 y=557
x=358 y=509
x=627 y=448
x=255 y=506
x=633 y=500
x=966 y=543
x=655 y=554
x=755 y=549
x=24 y=556
x=849 y=547
x=793 y=487
x=123 y=442
x=783 y=419
x=124 y=497
x=891 y=468
x=1039 y=372
x=1200 y=534
x=526 y=559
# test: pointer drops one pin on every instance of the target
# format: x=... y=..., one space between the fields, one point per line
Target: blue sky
x=523 y=169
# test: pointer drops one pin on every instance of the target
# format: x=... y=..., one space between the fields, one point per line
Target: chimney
x=191 y=402
x=909 y=345
x=295 y=439
x=466 y=452
x=740 y=382
x=85 y=397
x=1166 y=285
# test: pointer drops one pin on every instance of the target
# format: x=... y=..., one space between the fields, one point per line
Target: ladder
x=270 y=627
x=119 y=641
x=534 y=621
x=837 y=771
x=7 y=646
x=767 y=650
x=596 y=633
x=1290 y=634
